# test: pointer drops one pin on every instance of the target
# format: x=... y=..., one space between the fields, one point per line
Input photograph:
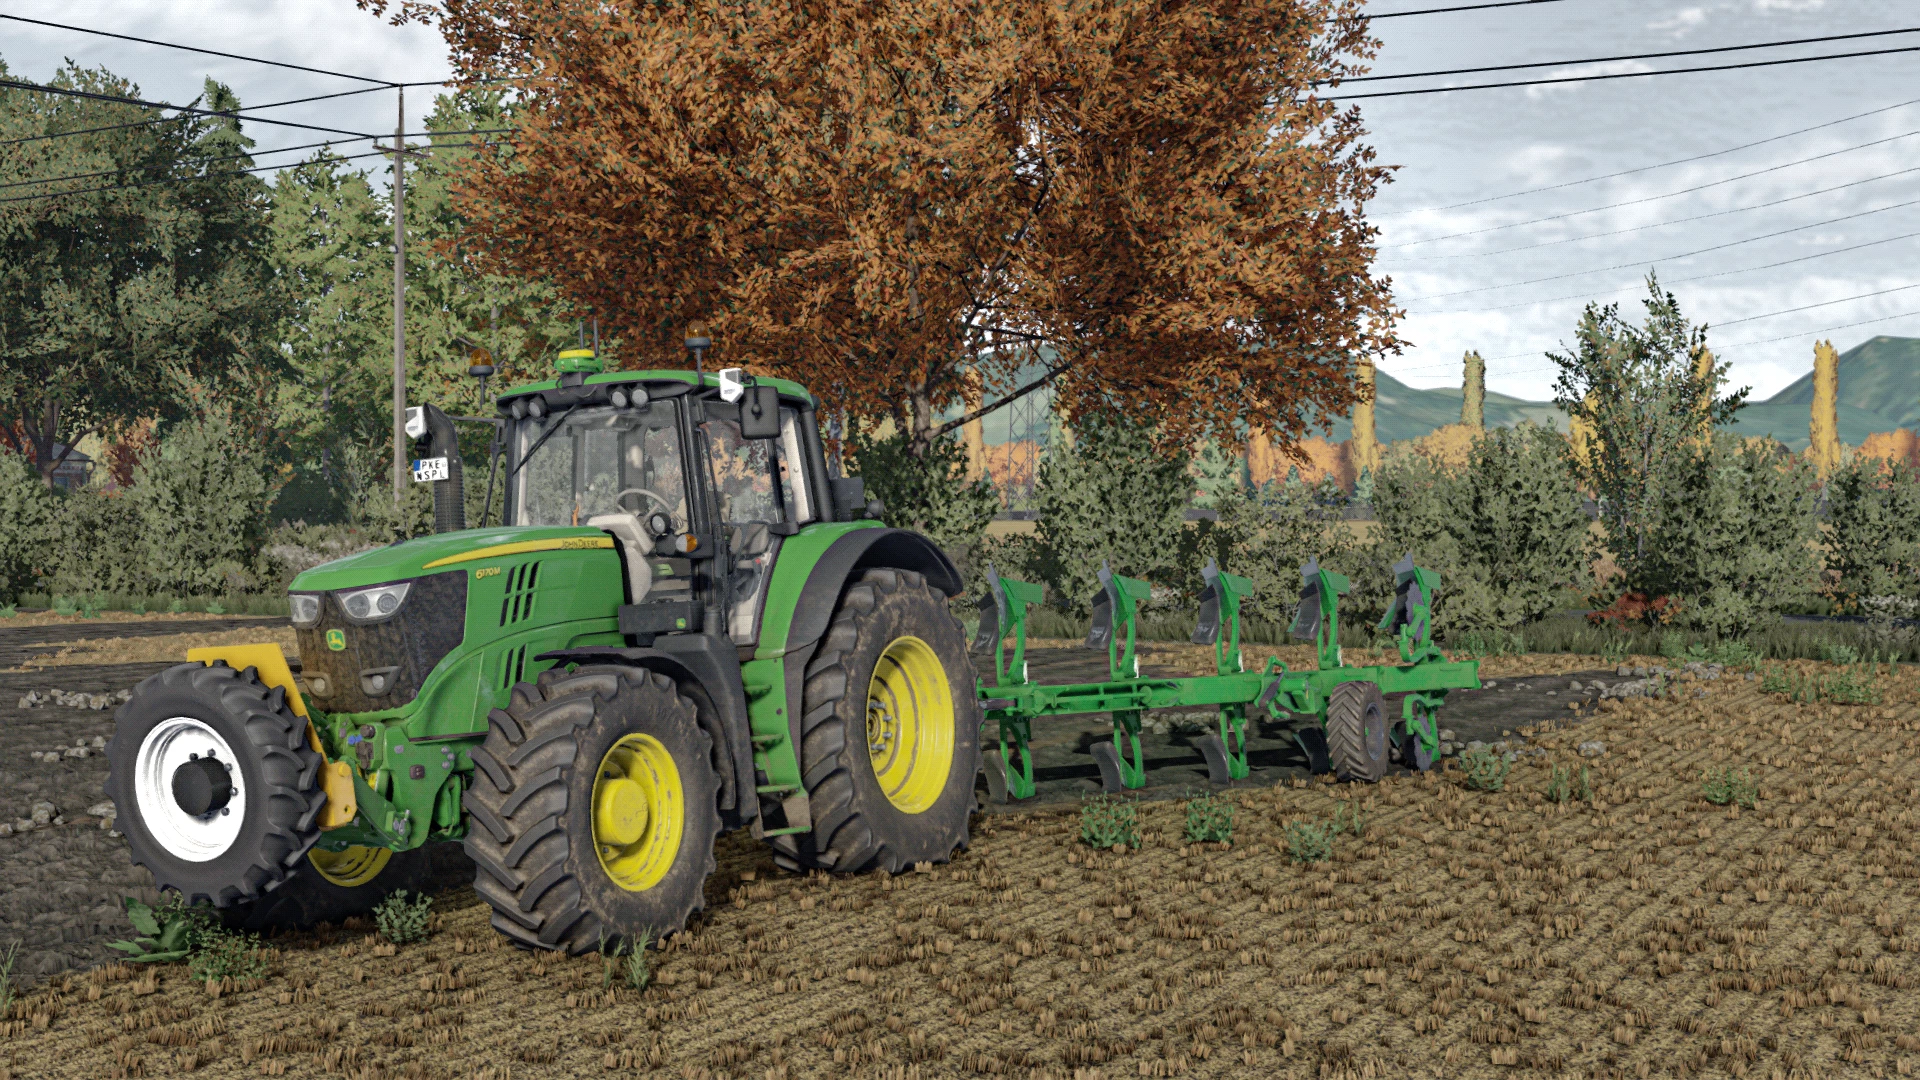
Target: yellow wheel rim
x=351 y=868
x=639 y=812
x=910 y=721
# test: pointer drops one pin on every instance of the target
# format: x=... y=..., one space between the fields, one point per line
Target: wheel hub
x=189 y=788
x=201 y=785
x=620 y=812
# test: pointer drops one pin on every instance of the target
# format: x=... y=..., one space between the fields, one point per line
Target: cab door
x=762 y=495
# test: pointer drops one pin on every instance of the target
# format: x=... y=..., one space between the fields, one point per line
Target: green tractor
x=682 y=624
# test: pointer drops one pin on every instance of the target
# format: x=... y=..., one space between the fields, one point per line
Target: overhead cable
x=1669 y=221
x=229 y=172
x=1630 y=56
x=12 y=84
x=196 y=49
x=250 y=153
x=1623 y=74
x=1648 y=168
x=1666 y=258
x=1656 y=198
x=1463 y=7
x=235 y=113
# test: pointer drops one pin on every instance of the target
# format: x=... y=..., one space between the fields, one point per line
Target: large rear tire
x=593 y=810
x=214 y=782
x=1357 y=732
x=890 y=725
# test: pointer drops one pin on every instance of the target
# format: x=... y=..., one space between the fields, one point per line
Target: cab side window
x=758 y=480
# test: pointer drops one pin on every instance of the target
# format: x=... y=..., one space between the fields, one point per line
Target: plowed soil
x=1454 y=932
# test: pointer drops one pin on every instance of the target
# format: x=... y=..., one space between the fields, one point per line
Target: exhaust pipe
x=439 y=447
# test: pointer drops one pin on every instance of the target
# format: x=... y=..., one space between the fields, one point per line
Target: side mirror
x=759 y=412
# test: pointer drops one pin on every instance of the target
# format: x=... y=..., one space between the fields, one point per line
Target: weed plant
x=1311 y=841
x=1486 y=770
x=9 y=611
x=627 y=960
x=1855 y=684
x=173 y=931
x=1209 y=820
x=1567 y=786
x=1354 y=823
x=228 y=955
x=1482 y=644
x=1722 y=786
x=1106 y=821
x=400 y=920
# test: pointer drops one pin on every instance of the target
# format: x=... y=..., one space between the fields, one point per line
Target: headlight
x=306 y=609
x=375 y=604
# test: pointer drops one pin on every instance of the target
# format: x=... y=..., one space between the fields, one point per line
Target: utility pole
x=399 y=297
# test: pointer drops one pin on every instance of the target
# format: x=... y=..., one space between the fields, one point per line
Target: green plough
x=1352 y=738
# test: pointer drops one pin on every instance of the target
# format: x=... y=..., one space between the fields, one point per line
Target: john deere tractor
x=681 y=624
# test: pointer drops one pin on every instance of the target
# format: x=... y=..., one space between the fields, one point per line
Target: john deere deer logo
x=337 y=640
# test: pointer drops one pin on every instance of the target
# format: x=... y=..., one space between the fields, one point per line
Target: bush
x=1268 y=534
x=1507 y=533
x=1872 y=532
x=96 y=545
x=201 y=500
x=1736 y=545
x=26 y=524
x=929 y=494
x=1112 y=495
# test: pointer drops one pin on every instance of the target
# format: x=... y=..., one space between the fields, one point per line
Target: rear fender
x=271 y=665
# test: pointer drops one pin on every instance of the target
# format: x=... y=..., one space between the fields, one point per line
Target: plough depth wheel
x=1357 y=732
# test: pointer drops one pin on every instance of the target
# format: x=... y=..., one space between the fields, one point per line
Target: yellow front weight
x=910 y=721
x=639 y=812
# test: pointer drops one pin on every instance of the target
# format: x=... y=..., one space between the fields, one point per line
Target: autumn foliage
x=899 y=200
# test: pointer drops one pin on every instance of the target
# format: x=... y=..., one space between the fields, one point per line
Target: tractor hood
x=443 y=551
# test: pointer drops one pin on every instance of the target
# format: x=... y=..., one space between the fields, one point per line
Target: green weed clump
x=1486 y=770
x=1107 y=822
x=64 y=605
x=1480 y=644
x=1209 y=820
x=9 y=611
x=1855 y=684
x=173 y=931
x=1567 y=786
x=1355 y=823
x=400 y=920
x=628 y=960
x=1722 y=786
x=1310 y=841
x=214 y=607
x=225 y=955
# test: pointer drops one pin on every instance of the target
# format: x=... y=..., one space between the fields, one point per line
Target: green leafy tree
x=201 y=501
x=26 y=526
x=1111 y=495
x=138 y=287
x=1640 y=395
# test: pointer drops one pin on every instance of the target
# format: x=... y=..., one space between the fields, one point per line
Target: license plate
x=427 y=470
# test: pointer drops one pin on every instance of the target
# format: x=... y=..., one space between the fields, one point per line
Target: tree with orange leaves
x=898 y=202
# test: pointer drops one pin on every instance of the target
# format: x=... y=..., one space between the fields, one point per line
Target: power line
x=194 y=49
x=12 y=84
x=1668 y=258
x=1647 y=168
x=231 y=172
x=1464 y=7
x=1630 y=56
x=248 y=154
x=1710 y=323
x=1721 y=350
x=236 y=114
x=1655 y=198
x=1625 y=74
x=1670 y=221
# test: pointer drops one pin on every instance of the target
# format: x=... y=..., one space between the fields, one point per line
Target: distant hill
x=1879 y=391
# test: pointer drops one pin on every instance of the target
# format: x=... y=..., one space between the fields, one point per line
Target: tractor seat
x=634 y=546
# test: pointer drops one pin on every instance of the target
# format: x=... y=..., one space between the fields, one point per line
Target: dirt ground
x=1454 y=932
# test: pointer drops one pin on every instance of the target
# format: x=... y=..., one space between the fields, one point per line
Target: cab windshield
x=601 y=460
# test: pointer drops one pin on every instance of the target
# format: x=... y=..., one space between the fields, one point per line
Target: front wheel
x=890 y=725
x=215 y=783
x=593 y=810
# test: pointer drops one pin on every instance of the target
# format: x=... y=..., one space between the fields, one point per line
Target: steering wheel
x=664 y=504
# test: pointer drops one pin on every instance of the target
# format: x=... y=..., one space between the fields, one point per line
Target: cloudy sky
x=1474 y=268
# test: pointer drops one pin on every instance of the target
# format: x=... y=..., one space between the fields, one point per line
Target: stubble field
x=1644 y=933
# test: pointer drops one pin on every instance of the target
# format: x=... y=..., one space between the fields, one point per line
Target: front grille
x=430 y=624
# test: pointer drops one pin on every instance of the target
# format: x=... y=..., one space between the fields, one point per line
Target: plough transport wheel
x=1357 y=732
x=593 y=811
x=890 y=741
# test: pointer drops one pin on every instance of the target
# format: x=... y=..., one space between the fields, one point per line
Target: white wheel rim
x=193 y=838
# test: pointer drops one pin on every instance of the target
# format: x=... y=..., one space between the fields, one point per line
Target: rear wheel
x=890 y=727
x=215 y=783
x=1357 y=732
x=594 y=810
